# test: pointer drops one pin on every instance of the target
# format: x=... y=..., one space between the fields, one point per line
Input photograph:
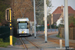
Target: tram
x=23 y=27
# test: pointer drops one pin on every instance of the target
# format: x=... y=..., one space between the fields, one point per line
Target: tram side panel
x=31 y=28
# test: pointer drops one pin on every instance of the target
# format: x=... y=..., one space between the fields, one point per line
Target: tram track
x=38 y=47
x=24 y=45
x=30 y=42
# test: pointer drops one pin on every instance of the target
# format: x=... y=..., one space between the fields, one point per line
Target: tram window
x=22 y=25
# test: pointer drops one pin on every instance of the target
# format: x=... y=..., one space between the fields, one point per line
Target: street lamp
x=34 y=20
x=66 y=26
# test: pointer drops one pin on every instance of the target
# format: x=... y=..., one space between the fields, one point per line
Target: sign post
x=11 y=40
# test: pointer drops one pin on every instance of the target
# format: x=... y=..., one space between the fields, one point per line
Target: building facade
x=58 y=15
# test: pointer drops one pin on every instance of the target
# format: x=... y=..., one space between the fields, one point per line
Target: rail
x=24 y=45
x=32 y=43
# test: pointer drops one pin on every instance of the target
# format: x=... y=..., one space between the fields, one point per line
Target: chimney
x=61 y=6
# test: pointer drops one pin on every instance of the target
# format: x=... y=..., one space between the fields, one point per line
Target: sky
x=56 y=3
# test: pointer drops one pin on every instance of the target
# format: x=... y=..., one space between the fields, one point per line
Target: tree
x=49 y=20
x=23 y=8
x=3 y=5
x=71 y=21
x=40 y=10
x=48 y=3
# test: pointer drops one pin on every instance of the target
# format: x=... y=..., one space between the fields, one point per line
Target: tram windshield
x=22 y=25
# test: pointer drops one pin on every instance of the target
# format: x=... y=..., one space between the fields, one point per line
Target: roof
x=59 y=10
x=56 y=17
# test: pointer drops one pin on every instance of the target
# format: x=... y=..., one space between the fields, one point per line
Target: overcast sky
x=56 y=3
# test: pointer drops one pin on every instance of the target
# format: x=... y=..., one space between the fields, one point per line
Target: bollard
x=60 y=43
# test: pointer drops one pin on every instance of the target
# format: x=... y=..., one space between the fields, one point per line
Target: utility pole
x=34 y=20
x=66 y=25
x=45 y=17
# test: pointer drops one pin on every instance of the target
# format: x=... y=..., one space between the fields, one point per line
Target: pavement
x=38 y=41
x=54 y=36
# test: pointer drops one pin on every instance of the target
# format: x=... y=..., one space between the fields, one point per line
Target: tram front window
x=22 y=25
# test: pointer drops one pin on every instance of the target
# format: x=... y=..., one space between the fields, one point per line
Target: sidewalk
x=54 y=36
x=71 y=42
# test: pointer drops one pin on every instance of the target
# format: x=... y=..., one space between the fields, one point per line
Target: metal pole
x=66 y=25
x=45 y=17
x=34 y=20
x=11 y=40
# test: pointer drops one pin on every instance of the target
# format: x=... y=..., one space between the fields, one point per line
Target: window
x=61 y=21
x=22 y=25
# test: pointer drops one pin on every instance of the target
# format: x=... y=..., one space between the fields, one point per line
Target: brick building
x=58 y=15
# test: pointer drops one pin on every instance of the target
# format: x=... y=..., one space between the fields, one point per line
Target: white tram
x=23 y=27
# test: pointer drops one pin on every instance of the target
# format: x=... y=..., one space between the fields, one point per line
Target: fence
x=71 y=33
x=4 y=32
x=40 y=28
